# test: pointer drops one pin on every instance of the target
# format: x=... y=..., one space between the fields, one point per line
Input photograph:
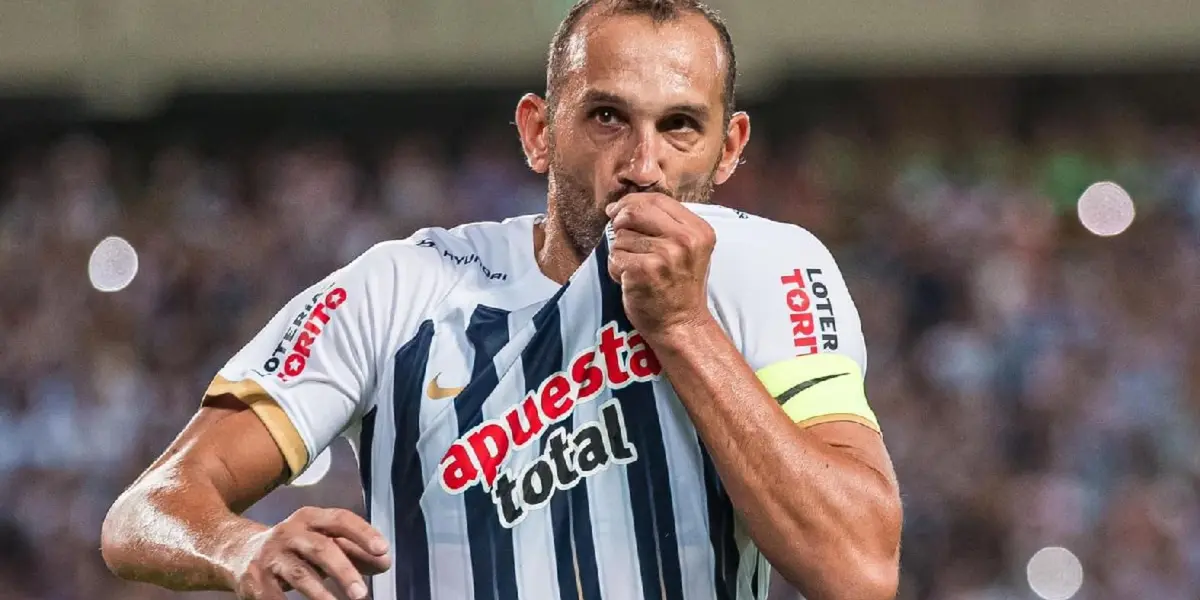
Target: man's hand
x=180 y=524
x=660 y=256
x=300 y=552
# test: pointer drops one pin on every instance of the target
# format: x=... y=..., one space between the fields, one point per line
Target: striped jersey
x=517 y=438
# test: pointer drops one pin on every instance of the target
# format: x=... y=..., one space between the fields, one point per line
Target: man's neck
x=556 y=256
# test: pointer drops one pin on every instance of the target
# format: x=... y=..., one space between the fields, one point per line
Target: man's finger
x=670 y=206
x=336 y=522
x=365 y=562
x=674 y=209
x=619 y=261
x=261 y=585
x=642 y=217
x=328 y=557
x=301 y=577
x=635 y=242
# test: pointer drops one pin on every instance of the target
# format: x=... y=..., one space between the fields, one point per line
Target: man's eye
x=606 y=116
x=681 y=123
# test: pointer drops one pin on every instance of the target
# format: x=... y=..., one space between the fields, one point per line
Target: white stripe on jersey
x=533 y=542
x=380 y=500
x=754 y=572
x=445 y=518
x=746 y=564
x=691 y=513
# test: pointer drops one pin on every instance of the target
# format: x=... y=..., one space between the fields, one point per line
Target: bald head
x=569 y=46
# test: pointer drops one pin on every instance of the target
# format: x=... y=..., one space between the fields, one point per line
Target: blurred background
x=1038 y=380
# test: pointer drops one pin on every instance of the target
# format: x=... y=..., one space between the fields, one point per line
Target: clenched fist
x=660 y=256
x=310 y=545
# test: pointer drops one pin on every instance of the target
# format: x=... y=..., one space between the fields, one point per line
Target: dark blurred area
x=1038 y=385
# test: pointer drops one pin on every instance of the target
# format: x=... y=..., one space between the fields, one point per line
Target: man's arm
x=820 y=500
x=301 y=381
x=179 y=525
x=822 y=503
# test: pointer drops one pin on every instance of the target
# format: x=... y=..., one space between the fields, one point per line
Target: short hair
x=660 y=11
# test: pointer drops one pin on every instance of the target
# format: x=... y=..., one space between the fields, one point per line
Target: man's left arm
x=794 y=441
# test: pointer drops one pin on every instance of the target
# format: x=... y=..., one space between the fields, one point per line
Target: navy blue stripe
x=366 y=441
x=585 y=547
x=492 y=565
x=472 y=397
x=639 y=492
x=560 y=523
x=543 y=360
x=720 y=531
x=488 y=333
x=411 y=567
x=540 y=361
x=649 y=476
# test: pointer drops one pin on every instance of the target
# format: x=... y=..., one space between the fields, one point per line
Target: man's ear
x=533 y=129
x=735 y=142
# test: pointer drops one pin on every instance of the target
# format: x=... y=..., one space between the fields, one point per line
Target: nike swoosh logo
x=791 y=392
x=436 y=392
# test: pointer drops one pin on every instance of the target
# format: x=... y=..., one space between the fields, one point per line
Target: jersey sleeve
x=779 y=293
x=312 y=370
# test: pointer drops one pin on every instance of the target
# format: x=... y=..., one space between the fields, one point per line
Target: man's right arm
x=284 y=397
x=179 y=525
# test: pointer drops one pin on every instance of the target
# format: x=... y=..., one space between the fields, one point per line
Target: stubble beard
x=574 y=210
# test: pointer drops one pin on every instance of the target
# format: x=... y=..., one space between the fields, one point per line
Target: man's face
x=639 y=109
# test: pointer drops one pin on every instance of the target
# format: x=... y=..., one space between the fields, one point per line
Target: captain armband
x=820 y=388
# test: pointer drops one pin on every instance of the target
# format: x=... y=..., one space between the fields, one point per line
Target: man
x=537 y=420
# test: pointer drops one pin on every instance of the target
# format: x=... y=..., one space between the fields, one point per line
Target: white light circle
x=315 y=472
x=1105 y=209
x=113 y=265
x=1054 y=573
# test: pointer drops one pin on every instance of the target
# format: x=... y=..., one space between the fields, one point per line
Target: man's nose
x=643 y=168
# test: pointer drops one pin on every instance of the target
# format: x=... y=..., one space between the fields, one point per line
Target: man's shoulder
x=490 y=251
x=480 y=236
x=778 y=291
x=743 y=236
x=484 y=248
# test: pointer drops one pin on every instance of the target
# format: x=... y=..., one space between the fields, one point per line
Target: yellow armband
x=821 y=388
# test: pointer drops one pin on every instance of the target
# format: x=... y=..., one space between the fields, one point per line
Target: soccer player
x=628 y=397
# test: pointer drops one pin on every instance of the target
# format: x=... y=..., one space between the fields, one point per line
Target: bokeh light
x=113 y=264
x=1106 y=209
x=315 y=472
x=1054 y=573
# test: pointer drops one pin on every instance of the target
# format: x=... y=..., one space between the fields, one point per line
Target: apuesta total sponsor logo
x=478 y=458
x=293 y=351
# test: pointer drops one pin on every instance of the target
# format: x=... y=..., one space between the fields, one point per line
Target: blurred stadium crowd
x=1038 y=385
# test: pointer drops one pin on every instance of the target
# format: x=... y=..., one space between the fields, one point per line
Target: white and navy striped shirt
x=516 y=438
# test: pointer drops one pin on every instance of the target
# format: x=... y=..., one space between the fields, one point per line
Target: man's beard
x=575 y=210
